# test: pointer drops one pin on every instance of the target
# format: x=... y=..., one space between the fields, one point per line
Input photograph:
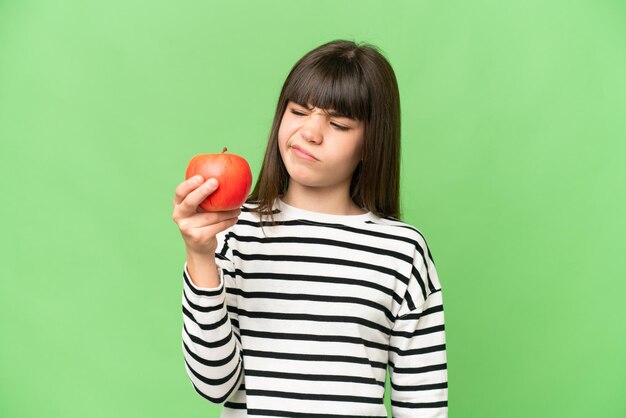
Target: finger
x=190 y=203
x=216 y=228
x=187 y=186
x=200 y=220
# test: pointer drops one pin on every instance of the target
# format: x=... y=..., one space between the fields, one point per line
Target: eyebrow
x=340 y=115
x=331 y=112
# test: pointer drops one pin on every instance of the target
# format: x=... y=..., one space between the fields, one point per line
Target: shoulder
x=421 y=278
x=400 y=229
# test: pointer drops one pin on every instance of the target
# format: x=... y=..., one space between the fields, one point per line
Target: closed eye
x=295 y=112
x=340 y=127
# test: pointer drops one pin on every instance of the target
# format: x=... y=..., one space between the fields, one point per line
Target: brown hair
x=358 y=81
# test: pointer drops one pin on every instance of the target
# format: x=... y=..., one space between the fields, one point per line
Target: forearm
x=419 y=371
x=211 y=350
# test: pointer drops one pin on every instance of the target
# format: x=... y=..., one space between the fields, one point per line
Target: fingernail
x=195 y=180
x=212 y=182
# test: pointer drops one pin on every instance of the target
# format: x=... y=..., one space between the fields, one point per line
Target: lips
x=303 y=152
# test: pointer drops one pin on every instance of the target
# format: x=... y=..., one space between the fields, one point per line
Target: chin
x=307 y=181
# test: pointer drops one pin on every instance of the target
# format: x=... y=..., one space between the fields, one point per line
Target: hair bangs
x=336 y=84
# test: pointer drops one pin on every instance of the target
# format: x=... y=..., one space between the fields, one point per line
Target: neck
x=318 y=199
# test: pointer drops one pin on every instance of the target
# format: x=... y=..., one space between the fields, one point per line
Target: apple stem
x=224 y=150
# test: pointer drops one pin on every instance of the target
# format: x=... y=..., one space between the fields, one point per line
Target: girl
x=297 y=304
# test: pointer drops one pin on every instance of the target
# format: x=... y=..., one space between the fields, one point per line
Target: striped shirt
x=310 y=315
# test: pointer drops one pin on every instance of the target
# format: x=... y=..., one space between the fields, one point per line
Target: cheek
x=283 y=148
x=282 y=143
x=283 y=133
x=344 y=162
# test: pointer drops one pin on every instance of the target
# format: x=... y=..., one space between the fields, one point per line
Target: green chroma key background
x=513 y=141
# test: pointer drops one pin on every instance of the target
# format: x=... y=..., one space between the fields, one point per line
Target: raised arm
x=211 y=348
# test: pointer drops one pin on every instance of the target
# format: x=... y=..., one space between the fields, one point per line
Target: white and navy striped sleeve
x=417 y=351
x=210 y=342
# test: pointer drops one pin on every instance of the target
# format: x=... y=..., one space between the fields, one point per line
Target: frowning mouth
x=302 y=153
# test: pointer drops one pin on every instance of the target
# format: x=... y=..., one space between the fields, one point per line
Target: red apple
x=233 y=175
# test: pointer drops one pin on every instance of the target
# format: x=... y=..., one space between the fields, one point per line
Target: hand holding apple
x=199 y=229
x=233 y=175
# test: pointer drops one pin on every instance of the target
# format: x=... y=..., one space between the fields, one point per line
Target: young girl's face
x=319 y=149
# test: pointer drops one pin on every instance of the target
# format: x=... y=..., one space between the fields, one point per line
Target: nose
x=311 y=130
